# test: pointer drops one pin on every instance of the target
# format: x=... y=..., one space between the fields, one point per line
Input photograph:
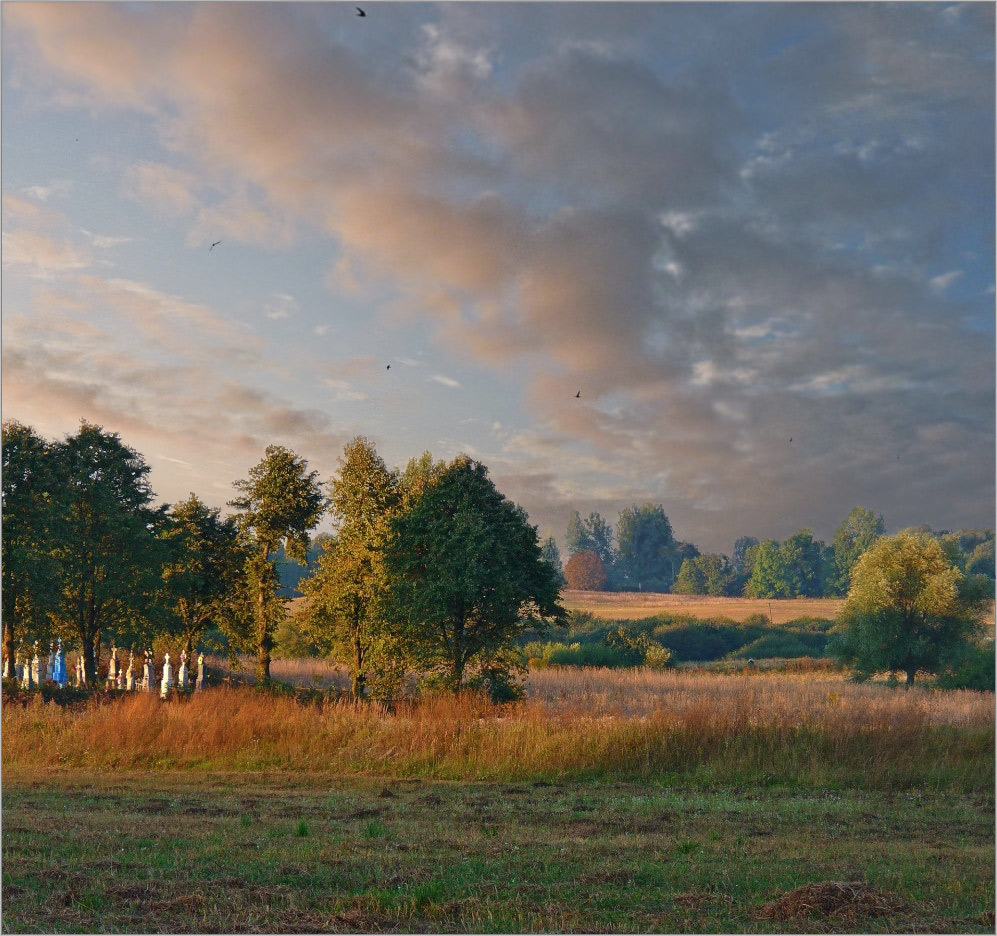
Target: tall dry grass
x=709 y=728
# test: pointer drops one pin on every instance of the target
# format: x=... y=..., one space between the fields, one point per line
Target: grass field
x=245 y=852
x=609 y=800
x=633 y=606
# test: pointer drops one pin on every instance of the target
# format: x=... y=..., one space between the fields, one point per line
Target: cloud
x=725 y=233
x=163 y=188
x=40 y=256
x=446 y=381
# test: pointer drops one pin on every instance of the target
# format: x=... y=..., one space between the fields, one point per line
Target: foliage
x=645 y=553
x=349 y=588
x=857 y=532
x=552 y=556
x=970 y=667
x=783 y=643
x=585 y=571
x=592 y=533
x=104 y=543
x=281 y=501
x=465 y=573
x=204 y=563
x=30 y=502
x=908 y=608
x=708 y=574
x=794 y=568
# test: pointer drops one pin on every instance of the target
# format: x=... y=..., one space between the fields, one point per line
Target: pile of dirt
x=848 y=899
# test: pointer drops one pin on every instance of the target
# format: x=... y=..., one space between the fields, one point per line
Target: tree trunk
x=89 y=670
x=263 y=666
x=910 y=678
x=8 y=646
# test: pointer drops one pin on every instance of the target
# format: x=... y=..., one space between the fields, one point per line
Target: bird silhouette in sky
x=578 y=395
x=790 y=438
x=360 y=12
x=213 y=246
x=388 y=367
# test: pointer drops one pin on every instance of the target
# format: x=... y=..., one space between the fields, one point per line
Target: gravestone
x=130 y=675
x=167 y=683
x=112 y=668
x=50 y=664
x=147 y=672
x=36 y=668
x=200 y=671
x=59 y=672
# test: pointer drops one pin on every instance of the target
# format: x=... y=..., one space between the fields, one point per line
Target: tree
x=709 y=574
x=769 y=576
x=281 y=501
x=792 y=569
x=203 y=567
x=466 y=576
x=908 y=609
x=592 y=533
x=645 y=548
x=349 y=587
x=585 y=571
x=29 y=512
x=857 y=532
x=105 y=546
x=552 y=555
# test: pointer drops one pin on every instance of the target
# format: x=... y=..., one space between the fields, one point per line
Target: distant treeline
x=642 y=554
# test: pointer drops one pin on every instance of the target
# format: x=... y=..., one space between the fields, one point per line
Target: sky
x=734 y=259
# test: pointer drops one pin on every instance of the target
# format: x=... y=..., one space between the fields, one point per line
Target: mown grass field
x=607 y=801
x=634 y=606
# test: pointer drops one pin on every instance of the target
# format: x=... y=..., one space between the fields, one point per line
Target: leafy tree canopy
x=909 y=608
x=466 y=574
x=645 y=548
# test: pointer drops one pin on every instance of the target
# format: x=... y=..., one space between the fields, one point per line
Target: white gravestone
x=200 y=671
x=130 y=675
x=36 y=668
x=147 y=675
x=112 y=668
x=167 y=683
x=182 y=673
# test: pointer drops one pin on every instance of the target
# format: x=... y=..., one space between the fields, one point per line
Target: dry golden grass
x=619 y=723
x=636 y=605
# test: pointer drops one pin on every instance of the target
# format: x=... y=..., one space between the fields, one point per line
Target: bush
x=783 y=644
x=702 y=641
x=973 y=668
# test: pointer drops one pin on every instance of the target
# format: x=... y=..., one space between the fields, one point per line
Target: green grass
x=146 y=852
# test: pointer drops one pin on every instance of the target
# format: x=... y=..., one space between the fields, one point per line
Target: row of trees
x=646 y=556
x=430 y=570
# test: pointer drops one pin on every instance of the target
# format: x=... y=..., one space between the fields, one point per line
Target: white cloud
x=446 y=381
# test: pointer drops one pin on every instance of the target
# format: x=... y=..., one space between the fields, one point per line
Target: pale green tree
x=348 y=589
x=281 y=501
x=908 y=609
x=857 y=532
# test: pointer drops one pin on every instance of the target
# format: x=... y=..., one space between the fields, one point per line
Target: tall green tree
x=203 y=568
x=552 y=555
x=908 y=609
x=348 y=589
x=105 y=545
x=467 y=576
x=645 y=549
x=281 y=501
x=794 y=568
x=591 y=533
x=30 y=513
x=708 y=574
x=857 y=532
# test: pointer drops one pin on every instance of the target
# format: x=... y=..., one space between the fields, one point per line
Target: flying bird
x=360 y=12
x=388 y=367
x=790 y=438
x=213 y=246
x=578 y=394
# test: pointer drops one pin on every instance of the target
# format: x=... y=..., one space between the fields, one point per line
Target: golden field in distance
x=633 y=606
